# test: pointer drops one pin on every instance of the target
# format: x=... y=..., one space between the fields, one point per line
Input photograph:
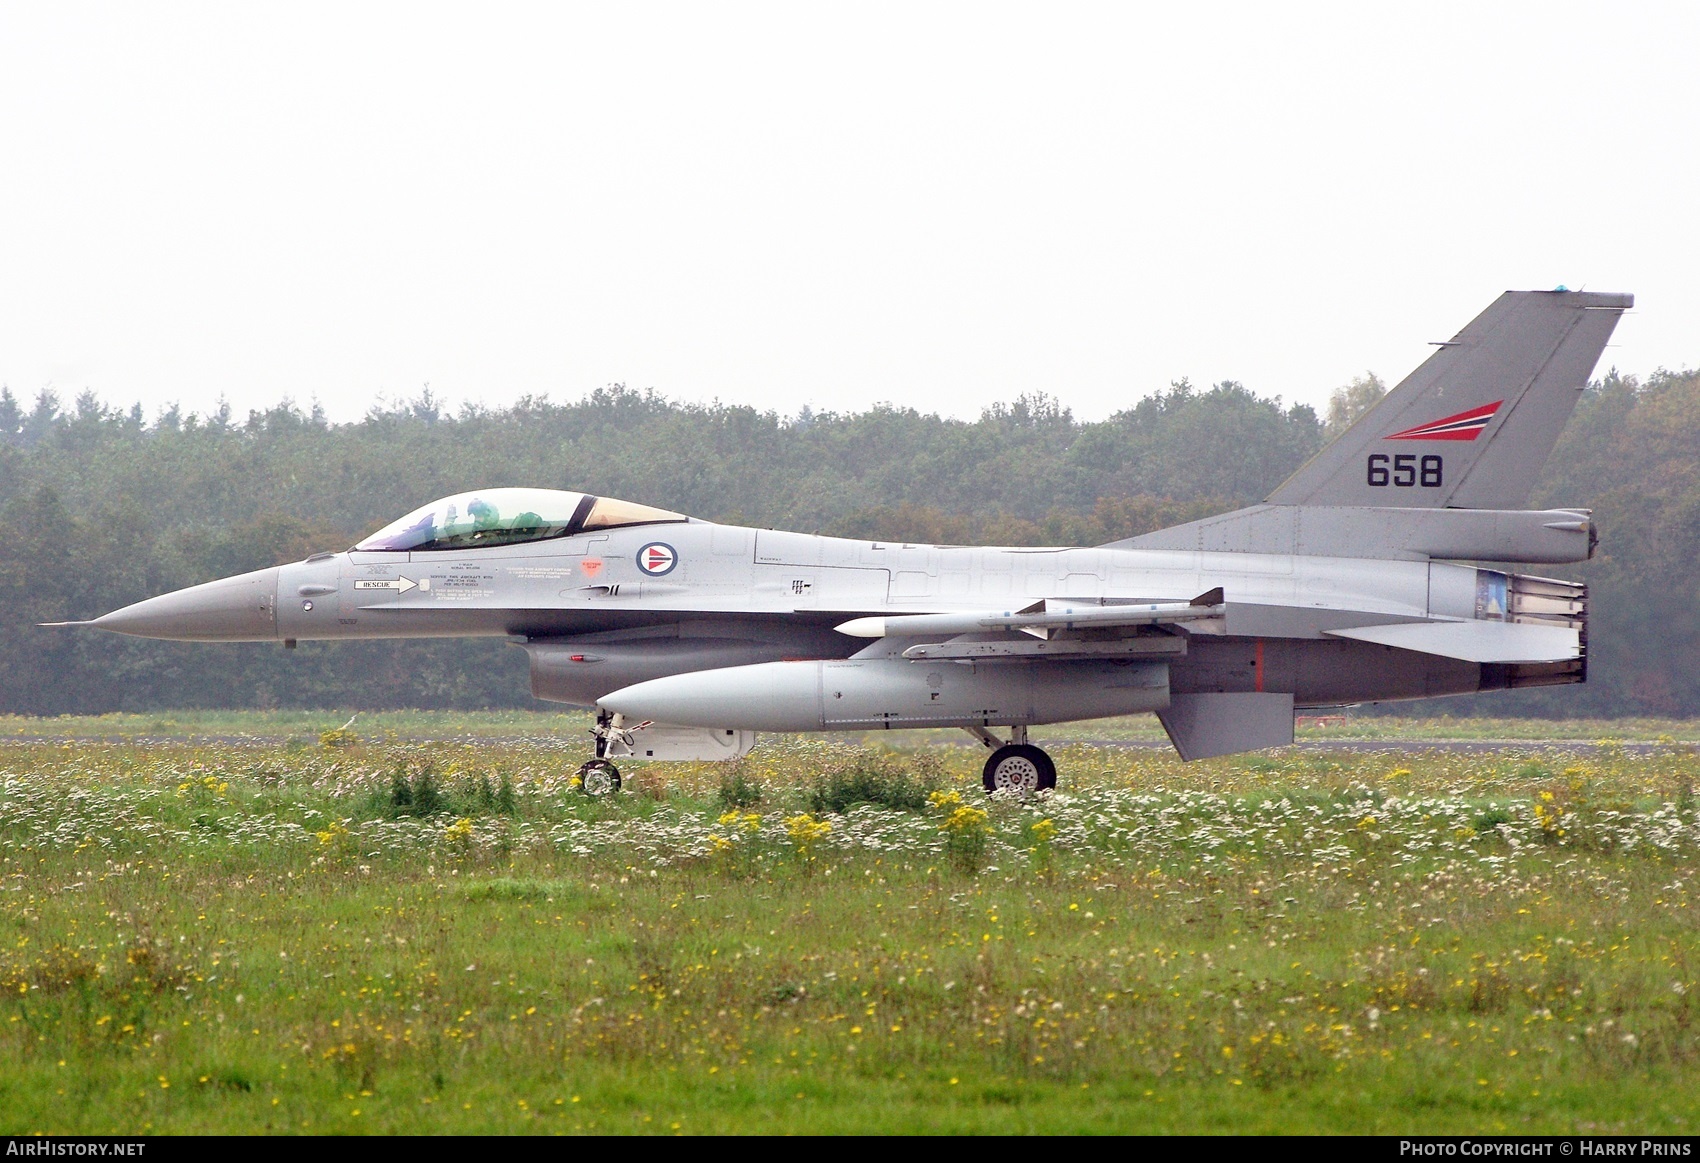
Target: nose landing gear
x=1016 y=766
x=599 y=777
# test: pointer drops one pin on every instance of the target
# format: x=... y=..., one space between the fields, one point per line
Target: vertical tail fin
x=1473 y=425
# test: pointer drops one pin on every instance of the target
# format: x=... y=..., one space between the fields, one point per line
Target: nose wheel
x=1021 y=768
x=599 y=778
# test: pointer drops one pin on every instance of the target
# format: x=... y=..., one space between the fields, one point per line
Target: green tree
x=1350 y=401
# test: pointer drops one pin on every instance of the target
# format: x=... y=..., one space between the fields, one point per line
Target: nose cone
x=233 y=609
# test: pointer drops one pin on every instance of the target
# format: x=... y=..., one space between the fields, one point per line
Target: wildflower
x=338 y=737
x=804 y=829
x=966 y=830
x=966 y=819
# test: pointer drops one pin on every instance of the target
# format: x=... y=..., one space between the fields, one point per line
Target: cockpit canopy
x=507 y=517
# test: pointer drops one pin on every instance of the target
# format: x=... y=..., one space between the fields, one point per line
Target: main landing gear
x=1016 y=766
x=599 y=777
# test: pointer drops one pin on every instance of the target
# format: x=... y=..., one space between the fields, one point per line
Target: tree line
x=100 y=506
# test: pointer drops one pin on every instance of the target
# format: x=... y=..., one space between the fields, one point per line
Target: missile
x=872 y=693
x=1039 y=618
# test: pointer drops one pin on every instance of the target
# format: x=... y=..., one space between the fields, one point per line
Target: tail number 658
x=1405 y=470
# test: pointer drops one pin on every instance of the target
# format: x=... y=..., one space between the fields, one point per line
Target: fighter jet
x=1352 y=583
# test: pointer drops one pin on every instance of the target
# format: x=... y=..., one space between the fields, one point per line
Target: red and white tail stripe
x=1463 y=426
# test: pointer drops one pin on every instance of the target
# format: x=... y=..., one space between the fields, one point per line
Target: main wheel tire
x=1021 y=768
x=599 y=778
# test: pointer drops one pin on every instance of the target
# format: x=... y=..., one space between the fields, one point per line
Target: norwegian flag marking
x=1463 y=426
x=657 y=558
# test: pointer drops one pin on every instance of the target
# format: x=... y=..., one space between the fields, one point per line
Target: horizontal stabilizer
x=1475 y=641
x=1203 y=726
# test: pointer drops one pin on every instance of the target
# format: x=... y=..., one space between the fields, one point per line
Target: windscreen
x=508 y=517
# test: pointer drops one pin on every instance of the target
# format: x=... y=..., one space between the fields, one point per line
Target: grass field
x=399 y=937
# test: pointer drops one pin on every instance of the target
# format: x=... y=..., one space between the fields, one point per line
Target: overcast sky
x=936 y=205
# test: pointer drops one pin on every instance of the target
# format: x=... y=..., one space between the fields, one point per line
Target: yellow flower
x=804 y=830
x=459 y=832
x=966 y=819
x=943 y=799
x=806 y=827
